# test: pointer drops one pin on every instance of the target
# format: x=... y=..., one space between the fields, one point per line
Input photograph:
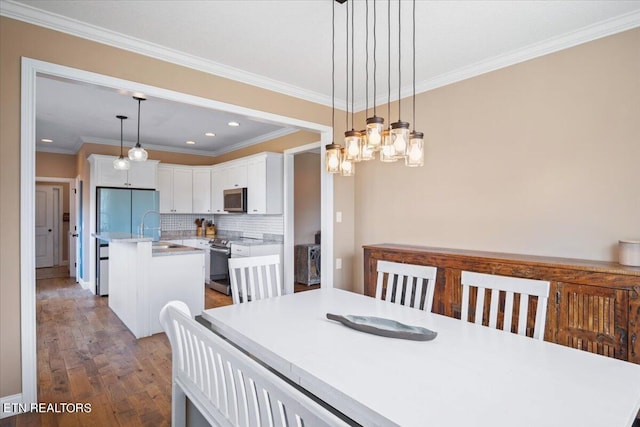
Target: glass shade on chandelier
x=333 y=158
x=387 y=149
x=375 y=126
x=366 y=153
x=352 y=145
x=415 y=151
x=400 y=138
x=347 y=166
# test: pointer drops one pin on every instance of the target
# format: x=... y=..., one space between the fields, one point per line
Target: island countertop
x=122 y=237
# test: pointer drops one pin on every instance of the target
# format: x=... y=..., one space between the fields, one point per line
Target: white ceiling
x=285 y=46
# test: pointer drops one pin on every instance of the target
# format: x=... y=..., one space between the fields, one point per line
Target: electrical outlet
x=338 y=216
x=338 y=263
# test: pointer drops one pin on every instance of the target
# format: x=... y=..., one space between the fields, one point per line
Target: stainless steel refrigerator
x=121 y=210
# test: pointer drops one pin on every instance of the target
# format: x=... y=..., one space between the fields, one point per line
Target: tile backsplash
x=254 y=226
x=242 y=225
x=178 y=222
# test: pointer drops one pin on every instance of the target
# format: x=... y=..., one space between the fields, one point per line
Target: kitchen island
x=145 y=275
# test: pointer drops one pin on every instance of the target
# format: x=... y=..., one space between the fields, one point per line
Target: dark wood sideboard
x=593 y=305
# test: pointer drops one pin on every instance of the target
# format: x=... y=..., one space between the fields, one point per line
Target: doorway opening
x=30 y=70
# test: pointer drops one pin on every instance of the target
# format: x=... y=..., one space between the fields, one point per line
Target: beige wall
x=306 y=197
x=18 y=39
x=538 y=158
x=55 y=165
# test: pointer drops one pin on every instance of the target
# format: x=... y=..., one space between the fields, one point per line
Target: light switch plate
x=338 y=216
x=338 y=263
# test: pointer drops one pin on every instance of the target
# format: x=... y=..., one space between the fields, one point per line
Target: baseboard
x=85 y=285
x=10 y=405
x=63 y=263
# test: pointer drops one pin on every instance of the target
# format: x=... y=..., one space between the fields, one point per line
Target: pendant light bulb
x=415 y=153
x=137 y=153
x=333 y=158
x=121 y=163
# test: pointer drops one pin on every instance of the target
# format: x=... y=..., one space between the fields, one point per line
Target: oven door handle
x=220 y=250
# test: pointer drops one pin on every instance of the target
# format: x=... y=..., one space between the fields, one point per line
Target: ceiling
x=285 y=46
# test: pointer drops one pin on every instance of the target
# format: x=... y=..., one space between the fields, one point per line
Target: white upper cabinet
x=140 y=174
x=175 y=183
x=218 y=183
x=265 y=184
x=236 y=175
x=202 y=189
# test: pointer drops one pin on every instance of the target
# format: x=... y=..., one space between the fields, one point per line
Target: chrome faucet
x=142 y=228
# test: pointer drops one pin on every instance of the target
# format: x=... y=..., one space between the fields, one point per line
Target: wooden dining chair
x=227 y=386
x=254 y=278
x=511 y=286
x=406 y=284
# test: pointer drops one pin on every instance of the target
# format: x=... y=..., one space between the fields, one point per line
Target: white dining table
x=469 y=375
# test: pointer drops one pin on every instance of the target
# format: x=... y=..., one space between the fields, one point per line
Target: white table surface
x=468 y=376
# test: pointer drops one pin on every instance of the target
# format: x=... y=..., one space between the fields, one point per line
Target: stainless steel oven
x=219 y=253
x=235 y=200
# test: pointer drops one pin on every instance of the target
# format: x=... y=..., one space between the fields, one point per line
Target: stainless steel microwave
x=235 y=200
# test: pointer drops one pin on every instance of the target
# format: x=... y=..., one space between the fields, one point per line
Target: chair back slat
x=510 y=286
x=228 y=387
x=254 y=278
x=508 y=311
x=479 y=306
x=406 y=284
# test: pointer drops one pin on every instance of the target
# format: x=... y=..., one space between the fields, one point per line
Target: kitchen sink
x=165 y=245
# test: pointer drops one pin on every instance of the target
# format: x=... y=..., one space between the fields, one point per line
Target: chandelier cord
x=352 y=65
x=399 y=59
x=414 y=65
x=333 y=68
x=366 y=54
x=389 y=60
x=375 y=69
x=347 y=71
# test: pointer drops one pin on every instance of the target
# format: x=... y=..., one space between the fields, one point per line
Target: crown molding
x=262 y=138
x=41 y=148
x=32 y=15
x=584 y=35
x=35 y=16
x=185 y=150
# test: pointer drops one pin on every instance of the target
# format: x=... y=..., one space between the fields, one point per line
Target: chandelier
x=394 y=143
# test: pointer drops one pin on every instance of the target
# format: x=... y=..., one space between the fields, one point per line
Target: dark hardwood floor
x=87 y=355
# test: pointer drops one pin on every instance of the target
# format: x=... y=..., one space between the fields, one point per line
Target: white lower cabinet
x=200 y=244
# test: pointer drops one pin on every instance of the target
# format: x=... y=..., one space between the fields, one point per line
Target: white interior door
x=44 y=226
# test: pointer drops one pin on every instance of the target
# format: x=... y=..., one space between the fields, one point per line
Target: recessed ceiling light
x=46 y=140
x=209 y=134
x=191 y=142
x=234 y=124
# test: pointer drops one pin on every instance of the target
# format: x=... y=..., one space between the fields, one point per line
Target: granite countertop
x=162 y=248
x=253 y=242
x=122 y=237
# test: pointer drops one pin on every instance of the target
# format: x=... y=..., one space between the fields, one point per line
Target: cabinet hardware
x=633 y=344
x=557 y=297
